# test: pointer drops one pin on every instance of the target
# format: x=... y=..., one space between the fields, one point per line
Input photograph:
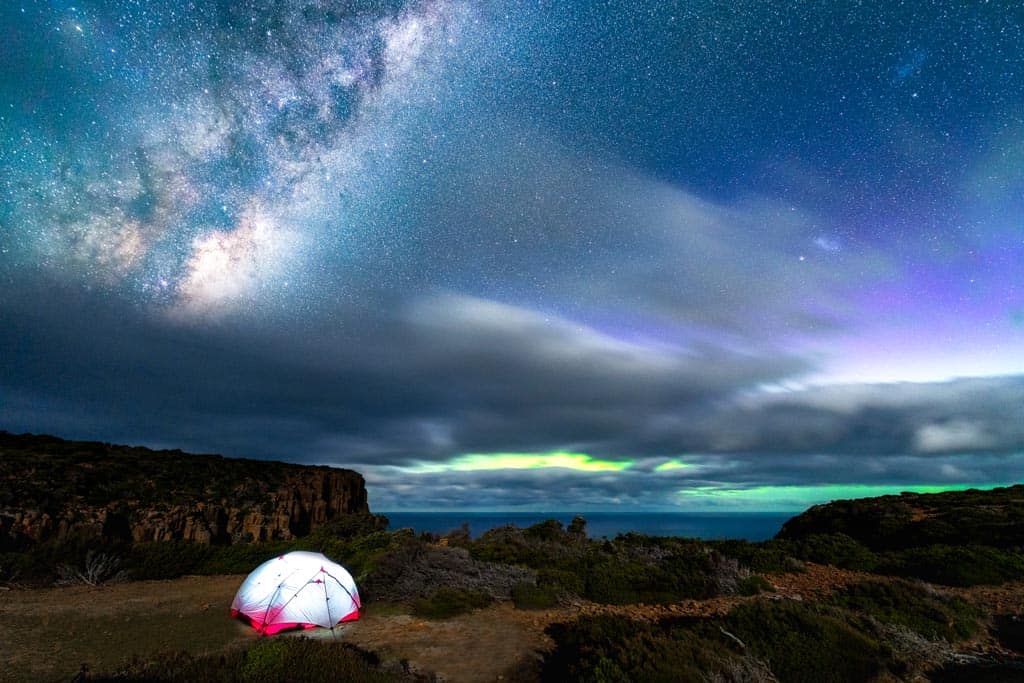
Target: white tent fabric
x=297 y=590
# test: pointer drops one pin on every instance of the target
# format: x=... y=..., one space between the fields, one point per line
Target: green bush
x=609 y=649
x=539 y=546
x=956 y=565
x=265 y=661
x=797 y=642
x=912 y=605
x=347 y=527
x=549 y=530
x=171 y=559
x=562 y=580
x=838 y=550
x=802 y=643
x=614 y=583
x=766 y=557
x=448 y=602
x=362 y=555
x=754 y=585
x=527 y=595
x=620 y=577
x=269 y=660
x=629 y=569
x=37 y=565
x=242 y=558
x=772 y=559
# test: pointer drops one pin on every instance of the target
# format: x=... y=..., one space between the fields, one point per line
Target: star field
x=649 y=254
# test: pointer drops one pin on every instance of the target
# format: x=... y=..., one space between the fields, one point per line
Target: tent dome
x=296 y=590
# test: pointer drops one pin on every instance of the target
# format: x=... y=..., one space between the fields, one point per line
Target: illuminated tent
x=296 y=591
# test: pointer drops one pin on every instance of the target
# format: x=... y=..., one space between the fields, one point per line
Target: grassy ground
x=47 y=634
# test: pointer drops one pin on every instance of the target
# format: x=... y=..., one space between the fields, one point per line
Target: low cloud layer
x=447 y=375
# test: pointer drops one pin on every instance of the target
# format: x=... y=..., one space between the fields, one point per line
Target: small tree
x=578 y=528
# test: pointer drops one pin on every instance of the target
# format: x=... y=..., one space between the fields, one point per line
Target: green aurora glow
x=672 y=465
x=795 y=497
x=713 y=497
x=525 y=461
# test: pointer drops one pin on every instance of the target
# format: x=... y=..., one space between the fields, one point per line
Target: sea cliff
x=52 y=489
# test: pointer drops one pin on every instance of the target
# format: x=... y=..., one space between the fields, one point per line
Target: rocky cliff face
x=51 y=489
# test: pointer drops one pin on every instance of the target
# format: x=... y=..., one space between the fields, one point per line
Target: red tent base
x=281 y=627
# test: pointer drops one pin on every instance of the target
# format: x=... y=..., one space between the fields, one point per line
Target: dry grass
x=47 y=634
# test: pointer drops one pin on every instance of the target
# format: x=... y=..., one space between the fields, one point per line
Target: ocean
x=752 y=526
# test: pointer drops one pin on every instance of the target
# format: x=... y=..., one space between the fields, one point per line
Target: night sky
x=558 y=255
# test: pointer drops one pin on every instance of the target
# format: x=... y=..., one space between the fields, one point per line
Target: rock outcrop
x=51 y=489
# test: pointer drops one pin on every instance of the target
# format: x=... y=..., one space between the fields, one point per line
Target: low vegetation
x=446 y=602
x=764 y=640
x=265 y=661
x=527 y=595
x=758 y=641
x=604 y=649
x=916 y=606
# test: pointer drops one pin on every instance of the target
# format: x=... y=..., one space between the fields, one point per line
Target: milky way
x=586 y=254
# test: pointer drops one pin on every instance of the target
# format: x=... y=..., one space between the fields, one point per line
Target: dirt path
x=46 y=635
x=483 y=646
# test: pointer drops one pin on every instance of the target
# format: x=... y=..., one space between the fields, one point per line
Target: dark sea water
x=752 y=526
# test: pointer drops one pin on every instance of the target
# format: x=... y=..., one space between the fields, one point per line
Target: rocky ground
x=48 y=634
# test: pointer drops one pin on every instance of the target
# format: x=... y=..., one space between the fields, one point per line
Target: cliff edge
x=52 y=489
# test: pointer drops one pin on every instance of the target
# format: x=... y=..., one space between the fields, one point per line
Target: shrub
x=774 y=560
x=166 y=560
x=351 y=526
x=269 y=660
x=911 y=605
x=838 y=550
x=611 y=649
x=648 y=574
x=265 y=661
x=956 y=565
x=614 y=583
x=415 y=569
x=171 y=559
x=361 y=556
x=448 y=602
x=754 y=585
x=759 y=641
x=243 y=557
x=577 y=529
x=98 y=568
x=542 y=545
x=801 y=643
x=549 y=530
x=527 y=595
x=461 y=537
x=767 y=557
x=562 y=580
